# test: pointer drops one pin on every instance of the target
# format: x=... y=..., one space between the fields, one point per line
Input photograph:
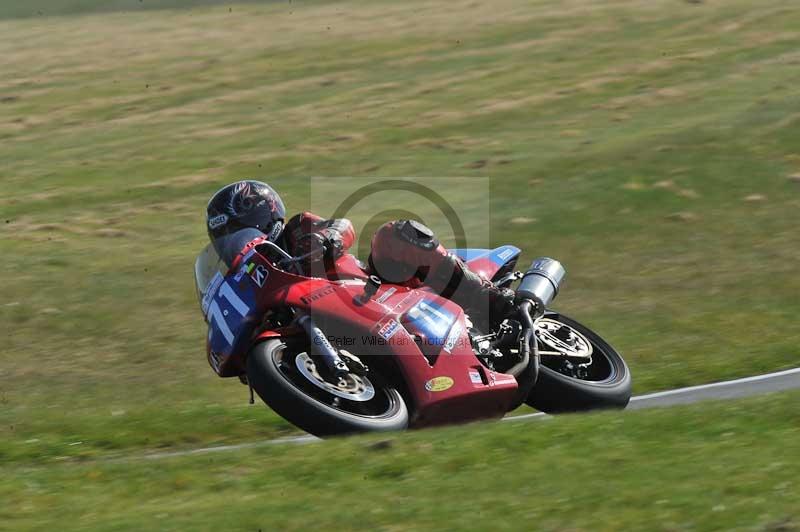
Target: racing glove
x=319 y=245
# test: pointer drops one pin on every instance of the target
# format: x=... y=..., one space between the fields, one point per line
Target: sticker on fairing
x=211 y=291
x=389 y=329
x=386 y=295
x=452 y=337
x=475 y=377
x=318 y=294
x=215 y=360
x=505 y=254
x=244 y=270
x=259 y=275
x=245 y=267
x=439 y=384
x=349 y=282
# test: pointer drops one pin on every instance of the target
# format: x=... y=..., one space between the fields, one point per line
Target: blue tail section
x=499 y=256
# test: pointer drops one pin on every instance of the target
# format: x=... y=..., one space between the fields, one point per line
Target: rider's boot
x=405 y=251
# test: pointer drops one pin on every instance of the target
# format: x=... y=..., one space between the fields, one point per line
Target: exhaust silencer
x=540 y=283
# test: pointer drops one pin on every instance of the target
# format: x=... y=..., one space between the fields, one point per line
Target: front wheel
x=578 y=370
x=288 y=379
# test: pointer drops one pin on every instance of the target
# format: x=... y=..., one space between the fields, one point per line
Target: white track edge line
x=679 y=391
x=712 y=385
x=307 y=438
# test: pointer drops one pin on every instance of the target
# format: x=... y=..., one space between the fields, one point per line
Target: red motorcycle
x=348 y=353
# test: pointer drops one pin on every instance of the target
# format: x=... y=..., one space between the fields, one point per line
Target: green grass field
x=714 y=466
x=653 y=147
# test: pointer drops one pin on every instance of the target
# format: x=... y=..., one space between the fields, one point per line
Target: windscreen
x=206 y=268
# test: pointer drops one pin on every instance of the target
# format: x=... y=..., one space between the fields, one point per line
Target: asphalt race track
x=719 y=391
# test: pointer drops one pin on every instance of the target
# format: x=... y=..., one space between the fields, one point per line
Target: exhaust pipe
x=526 y=371
x=539 y=287
x=541 y=282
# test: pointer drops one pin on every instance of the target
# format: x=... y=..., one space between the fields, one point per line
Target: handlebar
x=275 y=247
x=287 y=259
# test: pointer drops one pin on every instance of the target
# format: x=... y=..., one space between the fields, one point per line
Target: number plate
x=231 y=314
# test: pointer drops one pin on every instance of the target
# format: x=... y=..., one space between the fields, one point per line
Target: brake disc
x=351 y=387
x=562 y=339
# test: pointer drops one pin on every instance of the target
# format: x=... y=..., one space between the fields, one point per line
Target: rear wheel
x=293 y=384
x=578 y=371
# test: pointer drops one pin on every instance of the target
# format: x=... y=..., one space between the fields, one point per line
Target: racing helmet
x=241 y=205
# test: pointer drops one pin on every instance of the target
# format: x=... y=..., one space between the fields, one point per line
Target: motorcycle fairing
x=391 y=327
x=449 y=387
x=489 y=262
x=232 y=311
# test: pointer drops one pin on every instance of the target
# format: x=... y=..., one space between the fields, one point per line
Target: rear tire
x=610 y=386
x=274 y=375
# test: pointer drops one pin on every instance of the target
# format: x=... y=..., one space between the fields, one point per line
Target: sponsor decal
x=452 y=338
x=259 y=275
x=387 y=294
x=540 y=263
x=318 y=294
x=439 y=384
x=217 y=221
x=505 y=254
x=475 y=376
x=275 y=232
x=349 y=282
x=389 y=329
x=246 y=269
x=215 y=360
x=211 y=290
x=243 y=270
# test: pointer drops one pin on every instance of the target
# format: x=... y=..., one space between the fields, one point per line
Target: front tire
x=605 y=384
x=284 y=377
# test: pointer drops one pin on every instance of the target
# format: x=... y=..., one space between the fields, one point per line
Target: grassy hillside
x=48 y=8
x=724 y=466
x=651 y=146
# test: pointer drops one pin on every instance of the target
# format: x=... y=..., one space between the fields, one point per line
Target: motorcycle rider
x=403 y=252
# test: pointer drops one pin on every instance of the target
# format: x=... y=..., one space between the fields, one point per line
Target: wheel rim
x=358 y=396
x=351 y=387
x=562 y=339
x=574 y=352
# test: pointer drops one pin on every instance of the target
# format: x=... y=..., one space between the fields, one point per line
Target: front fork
x=321 y=347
